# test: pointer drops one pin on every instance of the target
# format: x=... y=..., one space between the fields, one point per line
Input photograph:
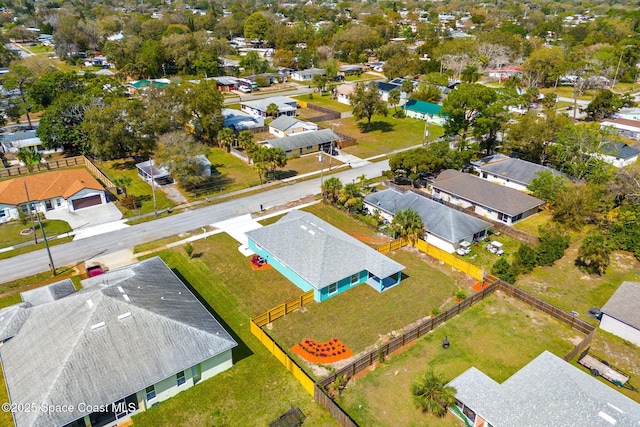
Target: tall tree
x=226 y=138
x=470 y=74
x=21 y=77
x=331 y=189
x=407 y=223
x=256 y=26
x=465 y=105
x=367 y=101
x=432 y=394
x=178 y=153
x=593 y=255
x=202 y=103
x=394 y=99
x=607 y=103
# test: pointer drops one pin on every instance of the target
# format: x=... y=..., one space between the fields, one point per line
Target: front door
x=48 y=204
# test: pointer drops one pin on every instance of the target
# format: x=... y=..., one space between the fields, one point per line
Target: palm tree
x=122 y=182
x=407 y=223
x=225 y=138
x=246 y=142
x=431 y=394
x=351 y=198
x=470 y=74
x=407 y=87
x=272 y=110
x=362 y=180
x=29 y=157
x=394 y=99
x=331 y=189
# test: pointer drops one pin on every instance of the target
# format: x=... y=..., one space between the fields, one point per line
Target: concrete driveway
x=87 y=217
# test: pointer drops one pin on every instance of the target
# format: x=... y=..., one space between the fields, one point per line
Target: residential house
x=350 y=70
x=306 y=76
x=384 y=88
x=621 y=313
x=305 y=142
x=226 y=83
x=238 y=120
x=625 y=127
x=258 y=108
x=432 y=113
x=70 y=189
x=344 y=92
x=315 y=255
x=136 y=86
x=505 y=73
x=619 y=154
x=14 y=141
x=287 y=126
x=510 y=172
x=130 y=339
x=628 y=114
x=445 y=227
x=493 y=201
x=546 y=392
x=148 y=170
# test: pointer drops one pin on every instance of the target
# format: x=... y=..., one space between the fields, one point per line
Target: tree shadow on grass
x=376 y=125
x=126 y=165
x=242 y=350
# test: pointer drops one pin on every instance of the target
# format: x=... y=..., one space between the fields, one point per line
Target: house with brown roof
x=493 y=201
x=71 y=189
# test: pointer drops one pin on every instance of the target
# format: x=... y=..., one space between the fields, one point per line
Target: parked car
x=244 y=89
x=94 y=270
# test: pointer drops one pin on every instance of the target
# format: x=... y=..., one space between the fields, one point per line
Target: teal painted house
x=425 y=111
x=313 y=254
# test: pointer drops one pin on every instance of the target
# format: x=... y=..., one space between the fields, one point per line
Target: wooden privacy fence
x=336 y=411
x=453 y=261
x=329 y=114
x=59 y=164
x=283 y=309
x=288 y=363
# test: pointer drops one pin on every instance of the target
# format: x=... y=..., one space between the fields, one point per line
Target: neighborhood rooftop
x=283 y=103
x=303 y=139
x=283 y=122
x=319 y=252
x=438 y=219
x=127 y=329
x=479 y=191
x=624 y=304
x=517 y=170
x=63 y=183
x=423 y=107
x=620 y=149
x=546 y=392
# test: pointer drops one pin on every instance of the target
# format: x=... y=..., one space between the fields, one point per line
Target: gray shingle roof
x=620 y=149
x=479 y=191
x=624 y=304
x=284 y=122
x=318 y=252
x=284 y=103
x=546 y=392
x=48 y=293
x=12 y=318
x=304 y=139
x=516 y=170
x=440 y=220
x=130 y=328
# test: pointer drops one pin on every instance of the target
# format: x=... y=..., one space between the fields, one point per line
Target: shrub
x=130 y=202
x=504 y=270
x=435 y=311
x=593 y=255
x=525 y=259
x=380 y=356
x=189 y=250
x=552 y=244
x=460 y=294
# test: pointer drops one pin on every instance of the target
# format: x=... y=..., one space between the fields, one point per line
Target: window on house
x=180 y=378
x=354 y=279
x=58 y=202
x=333 y=288
x=151 y=392
x=3 y=213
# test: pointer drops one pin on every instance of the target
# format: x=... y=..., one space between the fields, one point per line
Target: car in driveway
x=244 y=89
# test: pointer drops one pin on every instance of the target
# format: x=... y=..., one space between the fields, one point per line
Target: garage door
x=85 y=202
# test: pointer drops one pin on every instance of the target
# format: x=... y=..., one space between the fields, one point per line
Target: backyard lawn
x=138 y=187
x=498 y=348
x=427 y=285
x=325 y=101
x=258 y=388
x=387 y=133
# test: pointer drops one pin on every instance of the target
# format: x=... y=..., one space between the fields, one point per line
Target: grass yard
x=566 y=286
x=341 y=220
x=481 y=257
x=258 y=388
x=10 y=232
x=567 y=91
x=386 y=134
x=530 y=225
x=376 y=315
x=138 y=187
x=305 y=164
x=497 y=348
x=325 y=101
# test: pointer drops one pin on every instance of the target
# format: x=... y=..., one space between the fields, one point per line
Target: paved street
x=82 y=250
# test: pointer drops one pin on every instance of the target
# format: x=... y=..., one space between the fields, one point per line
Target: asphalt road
x=82 y=250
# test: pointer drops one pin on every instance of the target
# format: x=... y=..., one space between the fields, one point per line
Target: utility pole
x=321 y=159
x=153 y=186
x=44 y=235
x=33 y=225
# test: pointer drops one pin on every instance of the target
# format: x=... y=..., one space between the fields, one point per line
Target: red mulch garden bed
x=479 y=286
x=322 y=352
